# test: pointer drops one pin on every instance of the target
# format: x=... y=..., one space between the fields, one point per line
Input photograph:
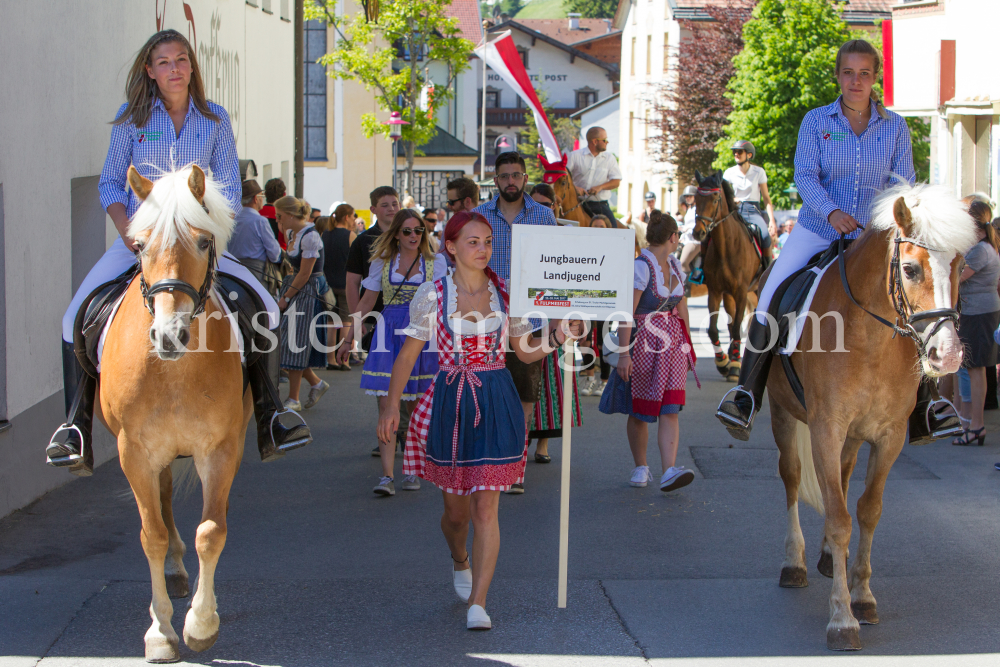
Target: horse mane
x=939 y=219
x=171 y=208
x=727 y=190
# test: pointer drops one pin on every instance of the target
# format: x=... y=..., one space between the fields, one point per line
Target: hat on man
x=650 y=196
x=250 y=189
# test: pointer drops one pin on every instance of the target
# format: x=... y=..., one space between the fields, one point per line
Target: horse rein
x=935 y=318
x=170 y=285
x=578 y=204
x=713 y=223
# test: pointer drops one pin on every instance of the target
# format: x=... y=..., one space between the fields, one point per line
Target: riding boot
x=72 y=445
x=926 y=422
x=273 y=438
x=737 y=414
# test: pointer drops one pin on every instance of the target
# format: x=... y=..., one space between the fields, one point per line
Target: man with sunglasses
x=463 y=194
x=595 y=173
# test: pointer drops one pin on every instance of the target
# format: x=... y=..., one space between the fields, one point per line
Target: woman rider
x=165 y=124
x=749 y=183
x=847 y=152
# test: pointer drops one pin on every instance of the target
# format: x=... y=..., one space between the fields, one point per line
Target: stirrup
x=700 y=272
x=70 y=460
x=945 y=432
x=728 y=419
x=294 y=444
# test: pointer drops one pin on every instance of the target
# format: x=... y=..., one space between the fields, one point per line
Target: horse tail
x=809 y=490
x=185 y=477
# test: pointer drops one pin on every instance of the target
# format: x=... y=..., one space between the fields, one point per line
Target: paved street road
x=319 y=571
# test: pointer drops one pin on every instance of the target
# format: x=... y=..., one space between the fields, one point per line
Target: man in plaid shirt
x=512 y=207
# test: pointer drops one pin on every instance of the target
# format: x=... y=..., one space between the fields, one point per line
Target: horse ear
x=196 y=182
x=140 y=185
x=698 y=177
x=903 y=217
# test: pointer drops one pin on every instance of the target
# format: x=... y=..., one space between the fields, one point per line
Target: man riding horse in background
x=595 y=173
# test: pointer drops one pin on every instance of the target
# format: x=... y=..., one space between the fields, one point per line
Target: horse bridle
x=170 y=285
x=913 y=322
x=578 y=204
x=713 y=223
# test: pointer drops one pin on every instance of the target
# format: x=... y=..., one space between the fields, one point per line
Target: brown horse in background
x=731 y=264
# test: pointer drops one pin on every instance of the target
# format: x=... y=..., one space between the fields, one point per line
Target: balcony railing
x=515 y=116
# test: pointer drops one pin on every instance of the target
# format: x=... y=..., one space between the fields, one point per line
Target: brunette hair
x=323 y=223
x=660 y=227
x=982 y=213
x=545 y=190
x=465 y=187
x=387 y=244
x=382 y=191
x=865 y=48
x=601 y=217
x=274 y=190
x=342 y=212
x=141 y=90
x=293 y=207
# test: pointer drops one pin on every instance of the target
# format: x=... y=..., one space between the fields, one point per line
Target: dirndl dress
x=662 y=352
x=546 y=422
x=303 y=335
x=389 y=337
x=467 y=431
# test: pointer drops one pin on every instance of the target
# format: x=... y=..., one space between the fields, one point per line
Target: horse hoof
x=177 y=586
x=843 y=639
x=733 y=377
x=865 y=612
x=199 y=645
x=160 y=650
x=825 y=565
x=793 y=577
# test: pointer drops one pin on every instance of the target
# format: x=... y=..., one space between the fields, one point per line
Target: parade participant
x=847 y=152
x=166 y=122
x=595 y=173
x=649 y=383
x=301 y=302
x=402 y=260
x=512 y=207
x=252 y=241
x=463 y=194
x=274 y=190
x=650 y=199
x=690 y=249
x=749 y=183
x=467 y=432
x=591 y=356
x=336 y=247
x=542 y=193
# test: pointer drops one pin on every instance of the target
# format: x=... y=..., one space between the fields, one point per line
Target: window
x=649 y=54
x=629 y=203
x=284 y=11
x=585 y=97
x=492 y=99
x=285 y=176
x=315 y=91
x=265 y=6
x=252 y=3
x=631 y=125
x=645 y=130
x=524 y=57
x=666 y=51
x=632 y=59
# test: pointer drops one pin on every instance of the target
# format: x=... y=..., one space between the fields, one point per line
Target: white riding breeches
x=799 y=248
x=118 y=259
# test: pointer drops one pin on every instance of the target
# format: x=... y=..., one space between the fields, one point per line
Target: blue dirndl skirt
x=617 y=399
x=386 y=345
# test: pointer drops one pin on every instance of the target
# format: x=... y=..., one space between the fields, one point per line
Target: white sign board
x=558 y=271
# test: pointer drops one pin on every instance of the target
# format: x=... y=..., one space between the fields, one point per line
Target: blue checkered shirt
x=835 y=169
x=533 y=213
x=156 y=148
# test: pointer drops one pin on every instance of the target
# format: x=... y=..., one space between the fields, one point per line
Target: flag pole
x=482 y=141
x=567 y=429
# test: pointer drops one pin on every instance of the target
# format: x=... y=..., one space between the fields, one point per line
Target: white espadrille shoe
x=477 y=618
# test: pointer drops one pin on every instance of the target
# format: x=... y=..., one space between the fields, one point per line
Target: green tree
x=377 y=55
x=593 y=9
x=785 y=69
x=920 y=132
x=511 y=7
x=565 y=129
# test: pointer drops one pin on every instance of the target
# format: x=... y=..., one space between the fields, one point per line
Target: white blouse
x=424 y=308
x=374 y=280
x=309 y=245
x=641 y=276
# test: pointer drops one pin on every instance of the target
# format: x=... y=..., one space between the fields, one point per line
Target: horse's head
x=710 y=205
x=932 y=232
x=183 y=223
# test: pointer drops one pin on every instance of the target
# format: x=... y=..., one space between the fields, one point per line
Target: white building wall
x=72 y=60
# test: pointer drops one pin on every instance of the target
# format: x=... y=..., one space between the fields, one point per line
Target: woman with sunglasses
x=402 y=260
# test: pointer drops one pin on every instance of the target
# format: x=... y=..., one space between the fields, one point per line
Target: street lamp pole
x=395 y=124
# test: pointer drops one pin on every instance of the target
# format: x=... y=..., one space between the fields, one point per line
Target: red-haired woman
x=466 y=434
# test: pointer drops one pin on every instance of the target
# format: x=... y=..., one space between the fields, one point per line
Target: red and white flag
x=502 y=57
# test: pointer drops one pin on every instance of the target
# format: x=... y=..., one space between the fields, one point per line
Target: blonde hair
x=140 y=90
x=387 y=244
x=864 y=48
x=296 y=208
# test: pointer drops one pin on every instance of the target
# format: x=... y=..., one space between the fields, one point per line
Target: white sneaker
x=292 y=405
x=463 y=583
x=675 y=478
x=599 y=389
x=410 y=483
x=384 y=487
x=641 y=476
x=477 y=619
x=586 y=385
x=315 y=393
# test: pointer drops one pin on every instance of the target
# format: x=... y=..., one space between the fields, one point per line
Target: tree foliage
x=593 y=9
x=370 y=53
x=690 y=109
x=785 y=69
x=566 y=130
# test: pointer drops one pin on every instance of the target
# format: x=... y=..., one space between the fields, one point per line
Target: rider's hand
x=388 y=423
x=842 y=222
x=772 y=229
x=581 y=192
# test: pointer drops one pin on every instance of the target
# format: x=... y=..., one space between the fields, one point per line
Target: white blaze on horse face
x=944 y=347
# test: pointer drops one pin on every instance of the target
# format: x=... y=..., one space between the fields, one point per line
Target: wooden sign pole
x=567 y=429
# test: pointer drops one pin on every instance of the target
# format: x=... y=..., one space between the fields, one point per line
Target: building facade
x=72 y=60
x=937 y=69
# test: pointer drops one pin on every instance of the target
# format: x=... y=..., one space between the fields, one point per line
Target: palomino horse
x=730 y=262
x=903 y=269
x=162 y=402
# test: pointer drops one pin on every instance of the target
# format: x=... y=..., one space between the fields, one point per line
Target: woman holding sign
x=649 y=384
x=466 y=434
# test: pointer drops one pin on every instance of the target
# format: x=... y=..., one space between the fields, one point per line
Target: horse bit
x=914 y=322
x=199 y=297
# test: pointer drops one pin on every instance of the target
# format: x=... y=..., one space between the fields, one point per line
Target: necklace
x=857 y=111
x=473 y=294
